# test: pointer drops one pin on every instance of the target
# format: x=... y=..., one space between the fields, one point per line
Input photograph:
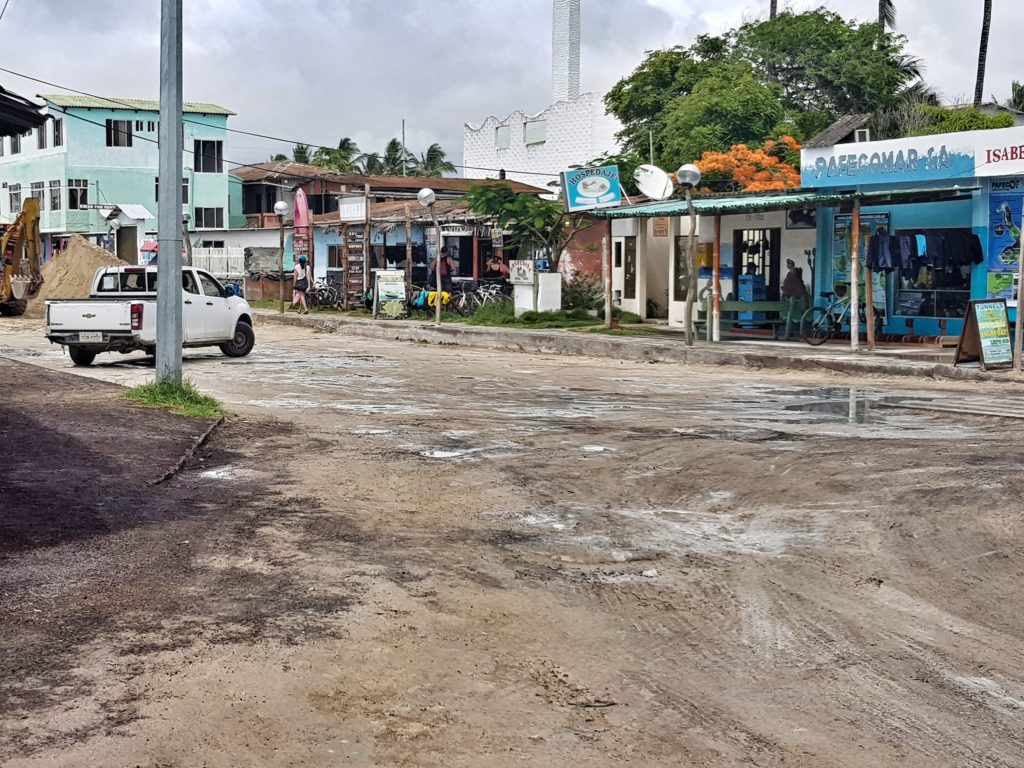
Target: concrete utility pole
x=168 y=295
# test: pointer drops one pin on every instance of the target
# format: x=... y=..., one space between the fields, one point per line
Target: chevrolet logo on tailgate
x=88 y=316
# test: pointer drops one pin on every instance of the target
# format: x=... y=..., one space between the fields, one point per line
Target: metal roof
x=781 y=201
x=838 y=131
x=286 y=169
x=18 y=114
x=73 y=100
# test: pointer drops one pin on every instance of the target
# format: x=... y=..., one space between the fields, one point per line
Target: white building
x=573 y=130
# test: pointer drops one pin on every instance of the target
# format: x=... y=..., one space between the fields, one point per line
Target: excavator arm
x=21 y=249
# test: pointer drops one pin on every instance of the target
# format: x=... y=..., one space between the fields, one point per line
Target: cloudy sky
x=317 y=70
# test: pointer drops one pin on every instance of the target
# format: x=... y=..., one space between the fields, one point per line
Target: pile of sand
x=70 y=273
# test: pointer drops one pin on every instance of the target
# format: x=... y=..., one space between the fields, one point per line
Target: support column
x=408 y=247
x=854 y=278
x=716 y=283
x=476 y=256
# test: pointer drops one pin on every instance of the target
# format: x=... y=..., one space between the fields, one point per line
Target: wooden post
x=869 y=313
x=408 y=248
x=366 y=242
x=607 y=246
x=716 y=283
x=854 y=277
x=476 y=256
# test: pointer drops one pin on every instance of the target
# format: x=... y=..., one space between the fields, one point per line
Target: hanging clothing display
x=945 y=250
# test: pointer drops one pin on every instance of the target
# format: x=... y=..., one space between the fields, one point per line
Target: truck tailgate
x=89 y=316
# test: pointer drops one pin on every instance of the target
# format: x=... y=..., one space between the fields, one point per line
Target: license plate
x=91 y=337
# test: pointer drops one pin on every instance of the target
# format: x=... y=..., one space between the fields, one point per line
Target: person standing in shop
x=447 y=266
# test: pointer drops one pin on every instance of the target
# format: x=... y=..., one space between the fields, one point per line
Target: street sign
x=520 y=272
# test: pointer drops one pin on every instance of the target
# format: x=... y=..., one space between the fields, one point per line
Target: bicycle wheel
x=816 y=326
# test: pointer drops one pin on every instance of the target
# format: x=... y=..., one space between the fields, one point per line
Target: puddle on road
x=228 y=473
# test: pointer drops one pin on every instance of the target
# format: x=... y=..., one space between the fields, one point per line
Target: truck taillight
x=137 y=317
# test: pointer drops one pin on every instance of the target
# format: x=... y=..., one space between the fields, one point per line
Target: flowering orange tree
x=774 y=165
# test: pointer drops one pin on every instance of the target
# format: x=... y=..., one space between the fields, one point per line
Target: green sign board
x=986 y=335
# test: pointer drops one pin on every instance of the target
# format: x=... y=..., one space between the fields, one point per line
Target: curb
x=634 y=349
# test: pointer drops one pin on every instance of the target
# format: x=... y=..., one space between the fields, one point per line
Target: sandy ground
x=409 y=556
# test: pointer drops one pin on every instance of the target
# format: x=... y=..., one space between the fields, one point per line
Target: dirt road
x=412 y=556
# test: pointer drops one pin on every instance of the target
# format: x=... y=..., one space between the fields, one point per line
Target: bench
x=783 y=315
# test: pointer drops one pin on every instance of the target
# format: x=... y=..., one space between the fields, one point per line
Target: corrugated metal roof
x=72 y=100
x=303 y=172
x=779 y=202
x=18 y=114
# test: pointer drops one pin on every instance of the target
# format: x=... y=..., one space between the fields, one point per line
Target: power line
x=311 y=145
x=4 y=10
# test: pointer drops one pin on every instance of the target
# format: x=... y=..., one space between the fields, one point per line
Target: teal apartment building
x=96 y=160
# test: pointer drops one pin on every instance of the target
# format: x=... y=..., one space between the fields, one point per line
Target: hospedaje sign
x=588 y=188
x=943 y=157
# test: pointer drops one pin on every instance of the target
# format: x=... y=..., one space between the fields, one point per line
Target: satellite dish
x=653 y=182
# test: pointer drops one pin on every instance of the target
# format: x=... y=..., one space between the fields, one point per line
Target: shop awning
x=780 y=201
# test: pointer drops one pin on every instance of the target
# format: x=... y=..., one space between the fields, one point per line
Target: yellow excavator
x=20 y=248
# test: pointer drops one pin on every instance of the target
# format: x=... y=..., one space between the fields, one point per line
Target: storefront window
x=938 y=282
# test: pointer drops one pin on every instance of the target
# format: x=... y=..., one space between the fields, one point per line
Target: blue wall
x=961 y=213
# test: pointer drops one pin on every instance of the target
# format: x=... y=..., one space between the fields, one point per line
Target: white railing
x=220 y=262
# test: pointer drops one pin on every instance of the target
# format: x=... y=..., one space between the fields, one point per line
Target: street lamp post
x=281 y=208
x=114 y=226
x=186 y=219
x=426 y=197
x=688 y=177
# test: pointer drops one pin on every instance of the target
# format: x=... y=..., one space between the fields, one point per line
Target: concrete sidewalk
x=908 y=360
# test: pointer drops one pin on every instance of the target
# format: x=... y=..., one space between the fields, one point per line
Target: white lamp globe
x=688 y=175
x=426 y=197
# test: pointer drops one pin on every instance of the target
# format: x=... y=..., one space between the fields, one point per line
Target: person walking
x=301 y=279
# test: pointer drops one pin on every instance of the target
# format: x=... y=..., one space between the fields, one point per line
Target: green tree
x=300 y=153
x=639 y=99
x=536 y=224
x=986 y=24
x=278 y=158
x=954 y=119
x=433 y=162
x=728 y=106
x=825 y=63
x=341 y=159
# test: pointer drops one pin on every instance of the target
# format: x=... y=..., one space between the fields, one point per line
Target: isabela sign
x=945 y=157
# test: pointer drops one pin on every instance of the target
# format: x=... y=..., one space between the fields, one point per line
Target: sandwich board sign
x=986 y=335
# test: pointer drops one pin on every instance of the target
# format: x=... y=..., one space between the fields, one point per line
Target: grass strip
x=182 y=398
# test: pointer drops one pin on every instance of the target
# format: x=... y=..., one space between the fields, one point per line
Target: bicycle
x=490 y=293
x=818 y=324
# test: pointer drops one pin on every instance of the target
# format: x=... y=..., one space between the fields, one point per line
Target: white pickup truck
x=120 y=315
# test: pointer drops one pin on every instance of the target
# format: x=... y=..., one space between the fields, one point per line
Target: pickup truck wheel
x=241 y=343
x=81 y=356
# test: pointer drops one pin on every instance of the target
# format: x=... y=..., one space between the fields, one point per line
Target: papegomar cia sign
x=945 y=157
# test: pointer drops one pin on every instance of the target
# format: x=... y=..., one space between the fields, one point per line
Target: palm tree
x=986 y=23
x=887 y=14
x=341 y=159
x=397 y=160
x=1016 y=100
x=370 y=164
x=300 y=153
x=433 y=162
x=773 y=9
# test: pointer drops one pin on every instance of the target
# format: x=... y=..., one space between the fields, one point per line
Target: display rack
x=354 y=259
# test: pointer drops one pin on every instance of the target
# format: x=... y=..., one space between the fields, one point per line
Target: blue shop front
x=931 y=253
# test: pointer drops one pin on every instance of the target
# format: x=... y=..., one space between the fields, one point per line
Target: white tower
x=565 y=50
